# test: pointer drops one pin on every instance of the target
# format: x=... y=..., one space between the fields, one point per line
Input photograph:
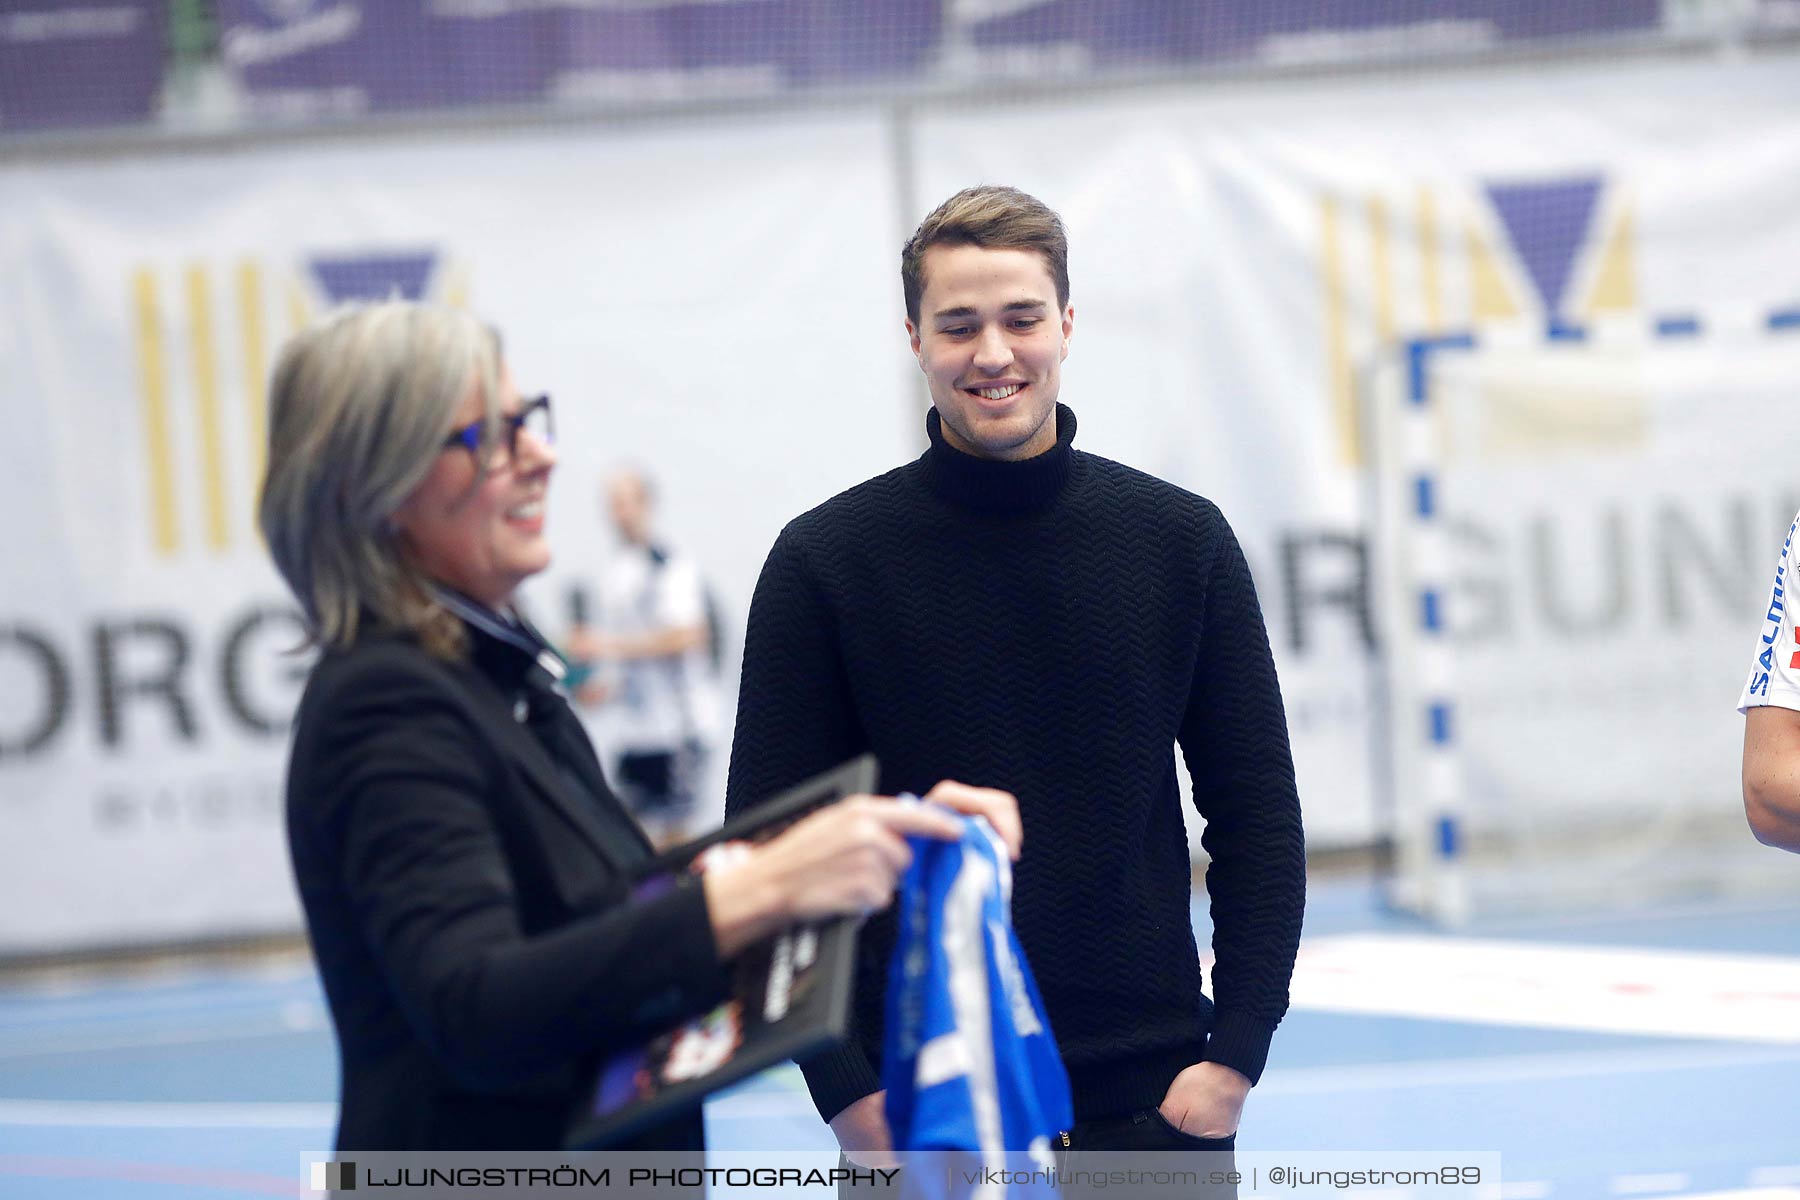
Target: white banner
x=1612 y=540
x=1239 y=256
x=717 y=301
x=681 y=295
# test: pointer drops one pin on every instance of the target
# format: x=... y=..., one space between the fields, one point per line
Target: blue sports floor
x=1650 y=1055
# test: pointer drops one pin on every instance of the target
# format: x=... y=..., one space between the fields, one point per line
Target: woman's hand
x=843 y=859
x=840 y=860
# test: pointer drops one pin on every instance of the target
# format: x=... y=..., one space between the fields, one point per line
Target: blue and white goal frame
x=1418 y=725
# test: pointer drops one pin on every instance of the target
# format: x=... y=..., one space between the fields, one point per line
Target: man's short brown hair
x=1000 y=218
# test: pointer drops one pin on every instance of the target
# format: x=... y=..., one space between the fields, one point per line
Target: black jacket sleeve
x=403 y=807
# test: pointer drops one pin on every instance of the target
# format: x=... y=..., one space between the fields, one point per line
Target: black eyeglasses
x=533 y=417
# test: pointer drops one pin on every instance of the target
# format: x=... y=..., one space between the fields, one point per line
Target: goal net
x=1576 y=534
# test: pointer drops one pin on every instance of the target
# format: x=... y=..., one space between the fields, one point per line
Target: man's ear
x=912 y=337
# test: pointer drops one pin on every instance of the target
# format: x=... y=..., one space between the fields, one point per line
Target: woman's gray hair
x=359 y=408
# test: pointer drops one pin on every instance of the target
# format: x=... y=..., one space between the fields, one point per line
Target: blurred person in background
x=464 y=868
x=1770 y=703
x=656 y=681
x=1054 y=622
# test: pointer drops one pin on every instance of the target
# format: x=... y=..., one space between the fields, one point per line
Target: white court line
x=1645 y=1185
x=1609 y=989
x=1388 y=1076
x=1722 y=909
x=100 y=1012
x=131 y=1114
x=1376 y=1077
x=749 y=1105
x=1515 y=1068
x=154 y=984
x=44 y=1046
x=1775 y=1175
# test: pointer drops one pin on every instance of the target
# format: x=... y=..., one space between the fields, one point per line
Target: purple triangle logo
x=1547 y=224
x=374 y=276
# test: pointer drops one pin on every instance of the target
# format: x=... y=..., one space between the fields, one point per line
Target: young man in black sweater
x=1010 y=610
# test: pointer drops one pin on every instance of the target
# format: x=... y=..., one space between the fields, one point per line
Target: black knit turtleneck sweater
x=1054 y=627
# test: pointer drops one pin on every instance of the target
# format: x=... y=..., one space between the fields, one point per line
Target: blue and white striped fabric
x=969 y=1061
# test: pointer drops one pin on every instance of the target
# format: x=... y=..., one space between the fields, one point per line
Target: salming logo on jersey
x=1774 y=622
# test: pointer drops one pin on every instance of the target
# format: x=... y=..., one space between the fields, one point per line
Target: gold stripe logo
x=1391 y=270
x=256 y=368
x=206 y=403
x=153 y=390
x=206 y=399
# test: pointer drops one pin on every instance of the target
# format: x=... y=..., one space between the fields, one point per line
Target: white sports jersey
x=658 y=703
x=1775 y=673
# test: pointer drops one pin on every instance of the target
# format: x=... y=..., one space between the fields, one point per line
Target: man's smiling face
x=991 y=342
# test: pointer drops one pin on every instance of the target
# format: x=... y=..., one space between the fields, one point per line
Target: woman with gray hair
x=464 y=868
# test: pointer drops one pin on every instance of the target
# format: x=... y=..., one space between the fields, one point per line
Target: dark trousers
x=1099 y=1145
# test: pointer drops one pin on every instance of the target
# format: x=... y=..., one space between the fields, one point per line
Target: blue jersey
x=969 y=1061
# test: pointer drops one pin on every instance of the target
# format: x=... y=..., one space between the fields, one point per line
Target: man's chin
x=1002 y=437
x=1008 y=437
